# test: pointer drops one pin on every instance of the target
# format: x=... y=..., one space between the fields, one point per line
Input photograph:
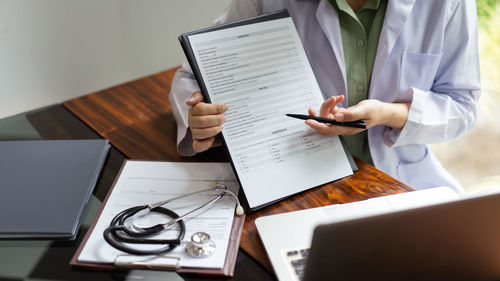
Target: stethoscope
x=122 y=229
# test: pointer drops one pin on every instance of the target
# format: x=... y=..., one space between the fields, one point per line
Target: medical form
x=143 y=182
x=260 y=70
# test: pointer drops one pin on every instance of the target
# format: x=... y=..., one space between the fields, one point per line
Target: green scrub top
x=360 y=32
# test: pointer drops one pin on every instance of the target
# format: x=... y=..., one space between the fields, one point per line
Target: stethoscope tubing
x=118 y=233
x=217 y=188
x=116 y=239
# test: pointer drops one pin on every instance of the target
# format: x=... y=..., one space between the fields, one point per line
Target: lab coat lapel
x=329 y=22
x=395 y=17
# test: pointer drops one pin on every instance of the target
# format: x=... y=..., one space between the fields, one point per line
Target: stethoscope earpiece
x=239 y=210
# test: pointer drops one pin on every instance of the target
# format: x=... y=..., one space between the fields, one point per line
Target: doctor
x=409 y=68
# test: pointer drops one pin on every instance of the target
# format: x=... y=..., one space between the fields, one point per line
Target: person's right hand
x=205 y=121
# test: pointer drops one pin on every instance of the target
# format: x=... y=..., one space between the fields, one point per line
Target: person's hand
x=205 y=121
x=373 y=112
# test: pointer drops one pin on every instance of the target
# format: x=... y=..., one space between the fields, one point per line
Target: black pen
x=356 y=124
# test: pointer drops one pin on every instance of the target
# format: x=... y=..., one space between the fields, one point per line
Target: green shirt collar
x=343 y=6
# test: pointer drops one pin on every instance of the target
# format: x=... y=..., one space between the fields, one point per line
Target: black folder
x=46 y=185
x=188 y=51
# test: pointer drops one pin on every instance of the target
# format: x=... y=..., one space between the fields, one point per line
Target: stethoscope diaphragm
x=200 y=246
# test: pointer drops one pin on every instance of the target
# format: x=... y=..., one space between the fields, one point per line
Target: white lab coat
x=427 y=55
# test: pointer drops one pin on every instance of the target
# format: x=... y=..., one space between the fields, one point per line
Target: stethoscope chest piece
x=200 y=245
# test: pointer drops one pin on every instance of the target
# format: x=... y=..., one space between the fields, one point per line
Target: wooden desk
x=137 y=119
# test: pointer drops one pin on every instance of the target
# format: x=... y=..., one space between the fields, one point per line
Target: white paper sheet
x=143 y=182
x=262 y=73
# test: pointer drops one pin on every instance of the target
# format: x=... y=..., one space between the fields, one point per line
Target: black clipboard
x=188 y=51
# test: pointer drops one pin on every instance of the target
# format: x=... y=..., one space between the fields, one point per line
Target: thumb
x=196 y=97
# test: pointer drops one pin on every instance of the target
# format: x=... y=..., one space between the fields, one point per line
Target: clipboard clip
x=148 y=262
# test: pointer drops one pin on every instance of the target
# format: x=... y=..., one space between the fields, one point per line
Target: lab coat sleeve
x=184 y=84
x=448 y=110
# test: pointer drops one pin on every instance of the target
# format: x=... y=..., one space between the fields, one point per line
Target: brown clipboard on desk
x=227 y=270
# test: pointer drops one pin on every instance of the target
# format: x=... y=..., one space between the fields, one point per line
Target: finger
x=337 y=100
x=325 y=106
x=196 y=97
x=339 y=114
x=340 y=98
x=332 y=130
x=208 y=109
x=311 y=112
x=353 y=113
x=202 y=145
x=199 y=134
x=322 y=128
x=206 y=121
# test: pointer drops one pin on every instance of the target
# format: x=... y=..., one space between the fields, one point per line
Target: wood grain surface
x=137 y=119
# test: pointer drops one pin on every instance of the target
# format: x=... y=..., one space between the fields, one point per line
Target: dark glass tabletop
x=49 y=260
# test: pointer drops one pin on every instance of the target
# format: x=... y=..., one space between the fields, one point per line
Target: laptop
x=429 y=234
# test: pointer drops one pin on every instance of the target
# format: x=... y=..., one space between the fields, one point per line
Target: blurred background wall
x=53 y=50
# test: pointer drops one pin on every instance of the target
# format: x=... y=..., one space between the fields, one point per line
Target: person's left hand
x=373 y=112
